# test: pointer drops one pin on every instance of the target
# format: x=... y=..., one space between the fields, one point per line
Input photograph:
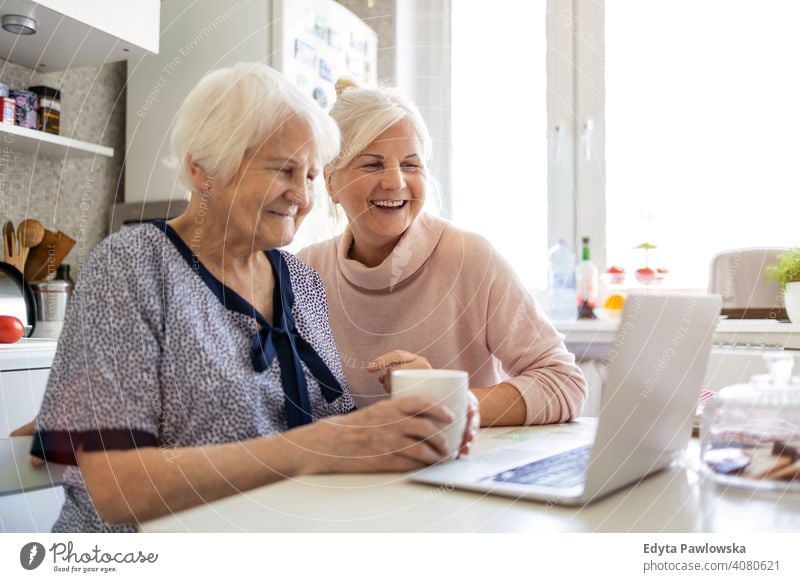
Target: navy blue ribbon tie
x=292 y=350
x=280 y=340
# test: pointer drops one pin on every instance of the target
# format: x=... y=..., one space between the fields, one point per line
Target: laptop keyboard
x=563 y=470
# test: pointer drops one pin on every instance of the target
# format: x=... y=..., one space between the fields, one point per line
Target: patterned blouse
x=156 y=352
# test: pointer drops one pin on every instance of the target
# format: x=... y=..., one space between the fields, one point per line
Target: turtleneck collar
x=409 y=254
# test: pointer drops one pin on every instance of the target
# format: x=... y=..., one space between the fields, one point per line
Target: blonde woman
x=407 y=289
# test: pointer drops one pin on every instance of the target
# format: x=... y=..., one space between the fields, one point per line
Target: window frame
x=575 y=108
x=576 y=124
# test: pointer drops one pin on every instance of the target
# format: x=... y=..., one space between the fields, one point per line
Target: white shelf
x=47 y=144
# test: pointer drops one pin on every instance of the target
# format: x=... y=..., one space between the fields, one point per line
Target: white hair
x=362 y=114
x=235 y=109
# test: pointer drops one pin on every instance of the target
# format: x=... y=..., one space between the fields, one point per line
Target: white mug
x=448 y=388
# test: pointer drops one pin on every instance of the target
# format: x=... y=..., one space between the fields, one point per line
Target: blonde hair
x=234 y=109
x=362 y=114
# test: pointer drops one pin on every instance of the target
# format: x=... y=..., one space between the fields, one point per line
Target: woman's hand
x=473 y=424
x=396 y=360
x=28 y=429
x=391 y=435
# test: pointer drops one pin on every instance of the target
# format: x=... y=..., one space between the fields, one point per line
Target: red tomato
x=11 y=329
x=645 y=275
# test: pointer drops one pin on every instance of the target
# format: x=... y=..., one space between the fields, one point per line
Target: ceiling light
x=17 y=24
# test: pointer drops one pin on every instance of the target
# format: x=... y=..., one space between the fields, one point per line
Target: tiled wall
x=73 y=196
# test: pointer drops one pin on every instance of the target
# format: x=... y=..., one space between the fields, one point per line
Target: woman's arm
x=139 y=484
x=549 y=383
x=501 y=405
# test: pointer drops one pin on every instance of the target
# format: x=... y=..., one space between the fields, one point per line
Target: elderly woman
x=399 y=278
x=195 y=356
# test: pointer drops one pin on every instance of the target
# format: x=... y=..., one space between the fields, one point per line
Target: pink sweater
x=448 y=295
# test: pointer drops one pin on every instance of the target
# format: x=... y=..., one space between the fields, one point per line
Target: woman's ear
x=328 y=174
x=202 y=181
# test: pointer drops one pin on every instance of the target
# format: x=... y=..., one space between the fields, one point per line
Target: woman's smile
x=290 y=212
x=390 y=205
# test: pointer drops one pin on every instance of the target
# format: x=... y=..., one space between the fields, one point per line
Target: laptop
x=655 y=371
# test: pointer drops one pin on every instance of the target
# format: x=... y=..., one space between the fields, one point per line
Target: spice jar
x=48 y=114
x=25 y=112
x=8 y=106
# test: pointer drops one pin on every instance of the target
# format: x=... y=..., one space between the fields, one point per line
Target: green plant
x=787 y=269
x=647 y=248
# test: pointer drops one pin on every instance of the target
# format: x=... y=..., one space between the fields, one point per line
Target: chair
x=738 y=275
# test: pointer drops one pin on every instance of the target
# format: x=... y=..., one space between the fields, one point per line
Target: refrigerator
x=316 y=41
x=312 y=42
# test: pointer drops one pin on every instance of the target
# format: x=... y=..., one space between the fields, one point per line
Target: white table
x=675 y=500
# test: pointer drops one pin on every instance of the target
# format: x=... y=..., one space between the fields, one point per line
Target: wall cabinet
x=73 y=33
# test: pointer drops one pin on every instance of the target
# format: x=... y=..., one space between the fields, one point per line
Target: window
x=701 y=130
x=499 y=129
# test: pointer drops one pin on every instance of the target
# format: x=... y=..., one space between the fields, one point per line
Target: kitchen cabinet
x=24 y=369
x=73 y=33
x=21 y=393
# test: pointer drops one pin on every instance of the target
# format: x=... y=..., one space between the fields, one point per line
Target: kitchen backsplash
x=73 y=196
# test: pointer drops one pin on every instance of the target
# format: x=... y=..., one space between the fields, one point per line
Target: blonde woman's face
x=382 y=190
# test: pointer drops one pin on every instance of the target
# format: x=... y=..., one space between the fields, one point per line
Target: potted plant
x=787 y=273
x=646 y=275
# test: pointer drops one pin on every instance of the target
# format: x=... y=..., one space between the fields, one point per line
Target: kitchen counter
x=589 y=338
x=737 y=353
x=27 y=354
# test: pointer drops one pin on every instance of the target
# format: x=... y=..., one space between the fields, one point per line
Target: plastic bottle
x=561 y=295
x=586 y=281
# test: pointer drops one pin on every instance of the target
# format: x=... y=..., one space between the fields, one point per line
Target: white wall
x=195 y=38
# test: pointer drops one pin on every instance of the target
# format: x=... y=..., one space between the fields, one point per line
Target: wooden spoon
x=7 y=249
x=10 y=238
x=30 y=233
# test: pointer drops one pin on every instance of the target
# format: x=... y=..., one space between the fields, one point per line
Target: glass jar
x=48 y=108
x=750 y=433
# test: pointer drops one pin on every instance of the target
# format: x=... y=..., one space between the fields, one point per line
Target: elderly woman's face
x=382 y=190
x=271 y=192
